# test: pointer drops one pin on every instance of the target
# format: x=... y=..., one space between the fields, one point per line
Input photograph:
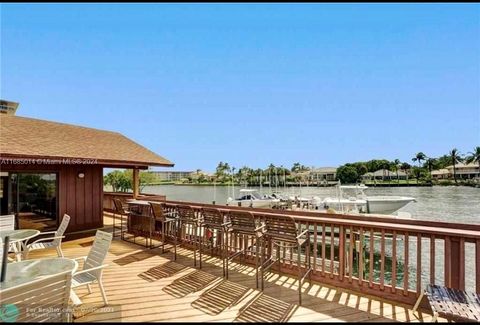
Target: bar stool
x=164 y=219
x=186 y=217
x=121 y=210
x=213 y=220
x=282 y=232
x=245 y=223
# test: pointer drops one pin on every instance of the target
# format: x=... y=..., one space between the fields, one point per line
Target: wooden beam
x=136 y=182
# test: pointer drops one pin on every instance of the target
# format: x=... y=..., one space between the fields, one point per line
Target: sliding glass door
x=33 y=198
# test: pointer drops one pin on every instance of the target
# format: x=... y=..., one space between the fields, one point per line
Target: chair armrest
x=303 y=233
x=46 y=239
x=96 y=268
x=260 y=228
x=46 y=232
x=81 y=257
x=226 y=224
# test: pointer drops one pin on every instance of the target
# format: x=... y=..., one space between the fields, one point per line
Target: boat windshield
x=251 y=196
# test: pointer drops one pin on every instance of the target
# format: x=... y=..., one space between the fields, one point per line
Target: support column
x=136 y=182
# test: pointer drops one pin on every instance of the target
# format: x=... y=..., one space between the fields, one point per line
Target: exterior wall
x=172 y=176
x=80 y=198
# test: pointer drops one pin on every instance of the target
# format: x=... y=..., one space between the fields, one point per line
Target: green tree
x=396 y=166
x=118 y=180
x=430 y=164
x=146 y=178
x=455 y=158
x=362 y=169
x=406 y=168
x=347 y=174
x=419 y=157
x=296 y=167
x=474 y=156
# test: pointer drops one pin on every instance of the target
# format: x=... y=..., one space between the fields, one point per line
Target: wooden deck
x=145 y=285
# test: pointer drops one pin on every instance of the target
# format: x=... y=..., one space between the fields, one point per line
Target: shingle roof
x=27 y=137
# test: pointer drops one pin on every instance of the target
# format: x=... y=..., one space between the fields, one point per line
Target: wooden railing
x=123 y=196
x=389 y=257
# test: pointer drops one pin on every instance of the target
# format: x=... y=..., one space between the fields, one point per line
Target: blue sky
x=252 y=84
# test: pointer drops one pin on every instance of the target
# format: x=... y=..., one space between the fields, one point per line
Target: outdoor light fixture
x=81 y=175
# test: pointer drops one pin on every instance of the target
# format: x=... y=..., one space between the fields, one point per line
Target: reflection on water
x=448 y=204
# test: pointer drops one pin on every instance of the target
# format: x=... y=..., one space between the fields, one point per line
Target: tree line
x=421 y=167
x=272 y=174
x=122 y=181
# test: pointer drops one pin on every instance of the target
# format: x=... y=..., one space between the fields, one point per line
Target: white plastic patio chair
x=92 y=270
x=53 y=241
x=42 y=300
x=7 y=222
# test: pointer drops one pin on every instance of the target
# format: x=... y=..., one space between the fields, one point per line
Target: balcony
x=145 y=285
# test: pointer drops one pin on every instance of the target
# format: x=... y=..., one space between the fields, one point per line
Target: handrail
x=469 y=231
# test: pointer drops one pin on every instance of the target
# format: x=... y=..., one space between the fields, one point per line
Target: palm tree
x=296 y=167
x=396 y=165
x=430 y=163
x=455 y=157
x=474 y=156
x=405 y=167
x=419 y=157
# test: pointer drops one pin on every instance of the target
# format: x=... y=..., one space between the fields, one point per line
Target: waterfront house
x=49 y=169
x=384 y=174
x=441 y=173
x=323 y=174
x=464 y=171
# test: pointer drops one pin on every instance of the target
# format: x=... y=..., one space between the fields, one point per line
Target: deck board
x=145 y=285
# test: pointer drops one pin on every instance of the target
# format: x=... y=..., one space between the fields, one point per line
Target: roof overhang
x=74 y=161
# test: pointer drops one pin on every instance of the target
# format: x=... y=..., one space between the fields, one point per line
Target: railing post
x=454 y=257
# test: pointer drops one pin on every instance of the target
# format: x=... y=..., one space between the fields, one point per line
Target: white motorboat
x=381 y=204
x=251 y=198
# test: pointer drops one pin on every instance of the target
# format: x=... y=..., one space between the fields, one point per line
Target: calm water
x=454 y=204
x=449 y=204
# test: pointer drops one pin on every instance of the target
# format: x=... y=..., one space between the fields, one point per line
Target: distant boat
x=383 y=204
x=252 y=198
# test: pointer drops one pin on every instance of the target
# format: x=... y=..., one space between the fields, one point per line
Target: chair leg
x=163 y=237
x=194 y=234
x=113 y=229
x=257 y=252
x=59 y=250
x=262 y=243
x=227 y=254
x=299 y=276
x=175 y=241
x=89 y=287
x=201 y=240
x=222 y=249
x=419 y=300
x=102 y=290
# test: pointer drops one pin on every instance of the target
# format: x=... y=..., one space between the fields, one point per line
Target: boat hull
x=254 y=203
x=387 y=205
